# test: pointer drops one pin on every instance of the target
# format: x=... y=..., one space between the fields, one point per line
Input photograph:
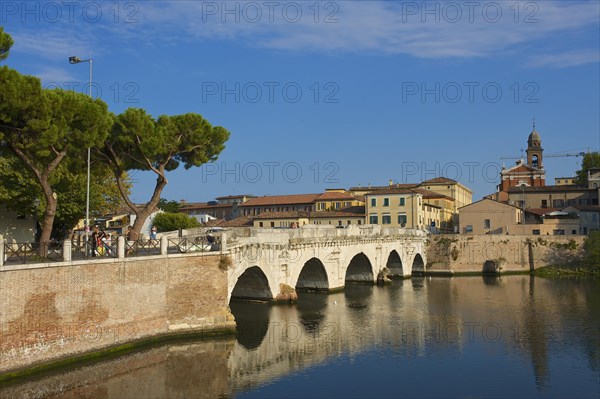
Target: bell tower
x=534 y=149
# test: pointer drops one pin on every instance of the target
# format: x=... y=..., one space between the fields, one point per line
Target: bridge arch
x=252 y=284
x=313 y=276
x=418 y=265
x=359 y=269
x=394 y=263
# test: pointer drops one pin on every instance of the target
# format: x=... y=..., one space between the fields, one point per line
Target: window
x=337 y=205
x=535 y=232
x=573 y=231
x=487 y=224
x=272 y=224
x=373 y=219
x=402 y=219
x=349 y=222
x=544 y=204
x=260 y=224
x=558 y=232
x=373 y=201
x=339 y=223
x=386 y=219
x=360 y=222
x=558 y=203
x=402 y=201
x=386 y=202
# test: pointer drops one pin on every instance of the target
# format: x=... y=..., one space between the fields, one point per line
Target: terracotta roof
x=373 y=188
x=235 y=196
x=438 y=180
x=392 y=190
x=214 y=223
x=281 y=200
x=529 y=189
x=335 y=195
x=430 y=194
x=283 y=215
x=306 y=215
x=203 y=205
x=335 y=214
x=242 y=221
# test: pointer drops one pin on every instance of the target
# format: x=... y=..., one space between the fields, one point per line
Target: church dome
x=534 y=137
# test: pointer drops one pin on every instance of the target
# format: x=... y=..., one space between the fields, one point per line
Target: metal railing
x=142 y=248
x=194 y=244
x=32 y=252
x=107 y=248
x=76 y=249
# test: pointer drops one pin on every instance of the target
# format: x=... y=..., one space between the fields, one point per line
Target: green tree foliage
x=166 y=221
x=48 y=131
x=591 y=248
x=168 y=206
x=19 y=190
x=139 y=142
x=6 y=43
x=590 y=160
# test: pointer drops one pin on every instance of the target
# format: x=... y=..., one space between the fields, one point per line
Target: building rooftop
x=392 y=190
x=236 y=196
x=440 y=180
x=373 y=188
x=430 y=194
x=542 y=189
x=306 y=214
x=336 y=195
x=281 y=200
x=203 y=205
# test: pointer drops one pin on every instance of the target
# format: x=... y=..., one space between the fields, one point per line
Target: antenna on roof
x=534 y=123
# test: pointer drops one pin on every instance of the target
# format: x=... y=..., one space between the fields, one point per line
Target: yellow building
x=462 y=195
x=445 y=206
x=564 y=181
x=395 y=207
x=336 y=199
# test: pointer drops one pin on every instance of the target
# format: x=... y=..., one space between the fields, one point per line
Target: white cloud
x=362 y=26
x=54 y=76
x=566 y=59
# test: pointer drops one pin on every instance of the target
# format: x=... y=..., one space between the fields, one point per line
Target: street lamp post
x=77 y=60
x=36 y=204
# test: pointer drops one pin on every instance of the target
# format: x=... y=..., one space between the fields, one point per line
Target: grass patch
x=556 y=271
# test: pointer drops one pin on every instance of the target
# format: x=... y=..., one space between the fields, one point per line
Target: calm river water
x=468 y=337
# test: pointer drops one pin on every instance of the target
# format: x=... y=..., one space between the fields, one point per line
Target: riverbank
x=54 y=315
x=497 y=254
x=558 y=271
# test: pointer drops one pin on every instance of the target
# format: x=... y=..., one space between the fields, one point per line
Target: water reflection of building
x=530 y=319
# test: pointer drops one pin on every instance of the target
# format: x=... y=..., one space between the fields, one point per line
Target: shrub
x=167 y=221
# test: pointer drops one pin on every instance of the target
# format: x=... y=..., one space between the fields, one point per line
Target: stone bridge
x=271 y=264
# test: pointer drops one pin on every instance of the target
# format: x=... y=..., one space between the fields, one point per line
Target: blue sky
x=334 y=93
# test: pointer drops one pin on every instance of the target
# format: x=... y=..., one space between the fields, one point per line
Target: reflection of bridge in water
x=268 y=264
x=415 y=318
